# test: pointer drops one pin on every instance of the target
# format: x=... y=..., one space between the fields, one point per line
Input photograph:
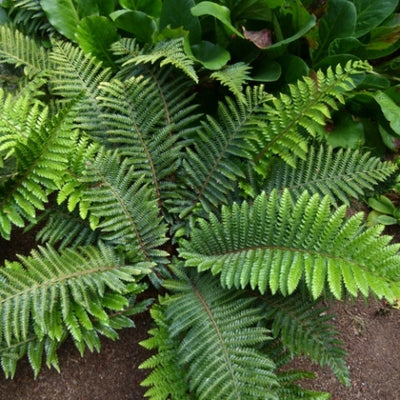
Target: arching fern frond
x=304 y=328
x=132 y=112
x=277 y=244
x=234 y=77
x=341 y=175
x=211 y=165
x=219 y=339
x=41 y=154
x=167 y=379
x=121 y=200
x=168 y=52
x=20 y=50
x=29 y=15
x=51 y=293
x=75 y=74
x=295 y=117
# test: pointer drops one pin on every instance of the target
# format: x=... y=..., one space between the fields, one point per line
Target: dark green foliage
x=135 y=181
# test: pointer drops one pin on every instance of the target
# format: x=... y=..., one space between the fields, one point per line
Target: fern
x=42 y=155
x=210 y=167
x=304 y=329
x=50 y=294
x=302 y=113
x=234 y=77
x=20 y=50
x=75 y=74
x=341 y=175
x=275 y=245
x=125 y=205
x=170 y=52
x=219 y=350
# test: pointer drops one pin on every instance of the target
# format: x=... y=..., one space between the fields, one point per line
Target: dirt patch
x=369 y=332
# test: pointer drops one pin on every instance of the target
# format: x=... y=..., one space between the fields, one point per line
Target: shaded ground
x=370 y=333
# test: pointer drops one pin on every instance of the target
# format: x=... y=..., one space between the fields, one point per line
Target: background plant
x=238 y=211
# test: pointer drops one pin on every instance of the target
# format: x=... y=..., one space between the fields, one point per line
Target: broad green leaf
x=266 y=71
x=371 y=13
x=390 y=110
x=141 y=25
x=150 y=7
x=293 y=68
x=106 y=7
x=65 y=15
x=346 y=132
x=95 y=35
x=339 y=21
x=176 y=14
x=306 y=28
x=382 y=204
x=222 y=13
x=211 y=55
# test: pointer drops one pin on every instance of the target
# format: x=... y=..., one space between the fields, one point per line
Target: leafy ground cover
x=368 y=331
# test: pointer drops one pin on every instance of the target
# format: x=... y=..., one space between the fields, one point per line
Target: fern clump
x=239 y=215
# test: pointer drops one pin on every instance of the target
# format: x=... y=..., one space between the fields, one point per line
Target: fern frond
x=75 y=74
x=50 y=292
x=125 y=206
x=211 y=165
x=66 y=229
x=42 y=154
x=167 y=379
x=341 y=175
x=234 y=77
x=20 y=50
x=219 y=339
x=132 y=112
x=29 y=15
x=170 y=52
x=303 y=327
x=300 y=114
x=277 y=244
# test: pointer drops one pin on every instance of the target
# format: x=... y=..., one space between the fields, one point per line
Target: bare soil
x=369 y=332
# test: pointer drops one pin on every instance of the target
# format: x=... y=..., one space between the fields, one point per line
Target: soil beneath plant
x=370 y=333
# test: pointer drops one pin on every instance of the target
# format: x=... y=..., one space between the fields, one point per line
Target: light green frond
x=295 y=117
x=75 y=74
x=211 y=166
x=41 y=151
x=20 y=50
x=234 y=77
x=277 y=244
x=341 y=175
x=169 y=52
x=49 y=294
x=125 y=205
x=167 y=379
x=219 y=340
x=304 y=328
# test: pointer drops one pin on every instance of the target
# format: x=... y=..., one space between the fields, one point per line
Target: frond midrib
x=53 y=281
x=220 y=337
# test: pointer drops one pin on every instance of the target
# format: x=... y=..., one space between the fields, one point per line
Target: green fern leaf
x=300 y=114
x=304 y=328
x=20 y=50
x=278 y=244
x=219 y=340
x=170 y=52
x=75 y=74
x=341 y=175
x=234 y=77
x=41 y=152
x=125 y=205
x=211 y=164
x=167 y=379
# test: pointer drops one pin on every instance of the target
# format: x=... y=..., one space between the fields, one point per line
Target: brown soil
x=369 y=332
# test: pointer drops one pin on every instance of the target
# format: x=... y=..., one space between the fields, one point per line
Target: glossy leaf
x=390 y=110
x=95 y=35
x=211 y=55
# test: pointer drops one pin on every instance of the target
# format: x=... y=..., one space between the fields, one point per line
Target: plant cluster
x=210 y=150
